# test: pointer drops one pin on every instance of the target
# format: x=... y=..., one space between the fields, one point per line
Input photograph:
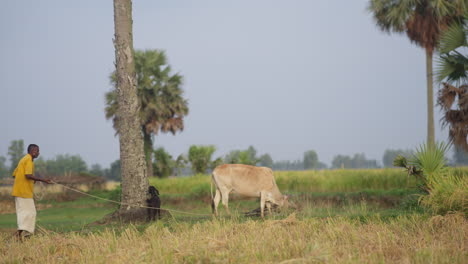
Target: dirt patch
x=8 y=207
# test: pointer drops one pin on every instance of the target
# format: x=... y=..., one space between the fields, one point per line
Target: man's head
x=33 y=150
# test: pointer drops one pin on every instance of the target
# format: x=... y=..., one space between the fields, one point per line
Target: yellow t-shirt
x=23 y=187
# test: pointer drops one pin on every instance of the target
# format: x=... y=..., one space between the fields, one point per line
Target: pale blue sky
x=283 y=76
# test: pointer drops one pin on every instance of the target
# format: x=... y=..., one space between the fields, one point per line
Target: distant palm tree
x=453 y=69
x=422 y=21
x=161 y=98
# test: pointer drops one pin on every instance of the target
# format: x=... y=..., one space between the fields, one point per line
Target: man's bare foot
x=21 y=235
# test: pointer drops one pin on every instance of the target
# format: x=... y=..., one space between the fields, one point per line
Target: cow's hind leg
x=262 y=204
x=215 y=202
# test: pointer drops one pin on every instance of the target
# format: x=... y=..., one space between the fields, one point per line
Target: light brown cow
x=248 y=181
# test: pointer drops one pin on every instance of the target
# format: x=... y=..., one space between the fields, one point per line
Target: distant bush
x=446 y=188
x=448 y=193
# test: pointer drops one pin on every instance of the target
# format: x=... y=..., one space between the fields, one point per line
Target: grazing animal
x=248 y=181
x=153 y=201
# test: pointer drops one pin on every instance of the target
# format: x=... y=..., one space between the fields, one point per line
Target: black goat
x=154 y=202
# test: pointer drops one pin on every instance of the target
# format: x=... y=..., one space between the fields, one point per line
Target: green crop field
x=341 y=216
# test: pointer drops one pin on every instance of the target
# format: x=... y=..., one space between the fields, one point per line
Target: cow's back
x=244 y=179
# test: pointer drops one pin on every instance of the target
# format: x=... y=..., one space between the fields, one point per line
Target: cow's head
x=285 y=202
x=281 y=201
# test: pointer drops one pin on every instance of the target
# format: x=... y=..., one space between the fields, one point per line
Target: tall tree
x=16 y=152
x=453 y=73
x=288 y=165
x=200 y=157
x=266 y=161
x=357 y=161
x=341 y=161
x=248 y=156
x=133 y=167
x=179 y=164
x=97 y=170
x=63 y=164
x=161 y=98
x=114 y=172
x=422 y=21
x=251 y=153
x=390 y=155
x=4 y=173
x=232 y=157
x=163 y=163
x=310 y=160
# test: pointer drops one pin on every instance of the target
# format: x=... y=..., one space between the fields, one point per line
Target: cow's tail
x=211 y=192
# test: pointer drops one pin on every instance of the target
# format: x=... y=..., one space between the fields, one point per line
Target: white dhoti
x=25 y=214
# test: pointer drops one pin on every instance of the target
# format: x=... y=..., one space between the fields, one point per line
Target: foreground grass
x=405 y=239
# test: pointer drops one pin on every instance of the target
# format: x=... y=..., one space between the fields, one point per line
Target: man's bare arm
x=31 y=177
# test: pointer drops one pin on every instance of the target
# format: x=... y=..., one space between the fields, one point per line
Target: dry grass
x=406 y=239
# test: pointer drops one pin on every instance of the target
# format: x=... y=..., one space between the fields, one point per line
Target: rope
x=133 y=205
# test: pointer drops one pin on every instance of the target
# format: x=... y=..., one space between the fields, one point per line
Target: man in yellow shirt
x=23 y=189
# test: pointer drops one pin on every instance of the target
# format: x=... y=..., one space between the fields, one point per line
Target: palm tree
x=161 y=98
x=422 y=21
x=134 y=180
x=453 y=69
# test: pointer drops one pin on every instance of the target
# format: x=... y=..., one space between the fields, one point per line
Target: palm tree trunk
x=133 y=169
x=430 y=99
x=148 y=153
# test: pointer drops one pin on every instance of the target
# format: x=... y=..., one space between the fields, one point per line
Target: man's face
x=35 y=152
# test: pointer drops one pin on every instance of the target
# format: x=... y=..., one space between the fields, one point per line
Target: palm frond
x=431 y=158
x=389 y=15
x=453 y=38
x=400 y=161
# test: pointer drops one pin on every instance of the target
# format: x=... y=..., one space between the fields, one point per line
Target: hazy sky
x=283 y=76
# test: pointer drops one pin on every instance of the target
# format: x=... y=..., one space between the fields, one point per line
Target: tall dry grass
x=344 y=180
x=302 y=181
x=448 y=193
x=406 y=239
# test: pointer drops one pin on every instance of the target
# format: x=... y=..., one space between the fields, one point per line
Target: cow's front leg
x=262 y=203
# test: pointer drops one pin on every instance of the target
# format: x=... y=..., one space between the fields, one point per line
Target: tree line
x=200 y=159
